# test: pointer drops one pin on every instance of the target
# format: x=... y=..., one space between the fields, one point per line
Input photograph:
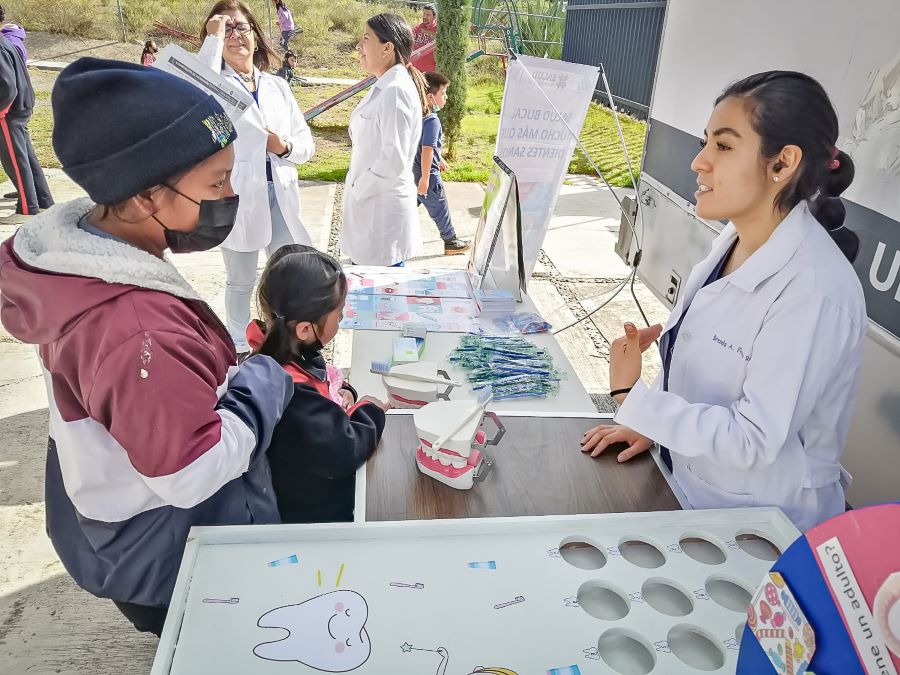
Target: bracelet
x=616 y=392
x=287 y=150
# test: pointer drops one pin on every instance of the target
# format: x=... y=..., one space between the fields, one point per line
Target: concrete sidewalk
x=47 y=624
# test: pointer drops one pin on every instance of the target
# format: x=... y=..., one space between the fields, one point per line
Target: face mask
x=217 y=218
x=311 y=350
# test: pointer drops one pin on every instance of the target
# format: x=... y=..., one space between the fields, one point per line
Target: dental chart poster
x=844 y=576
x=392 y=312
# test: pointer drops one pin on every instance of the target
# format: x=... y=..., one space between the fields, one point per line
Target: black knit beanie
x=120 y=128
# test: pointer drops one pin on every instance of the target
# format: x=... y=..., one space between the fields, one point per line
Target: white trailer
x=852 y=49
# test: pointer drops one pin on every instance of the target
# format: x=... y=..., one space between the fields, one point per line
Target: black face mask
x=313 y=349
x=217 y=218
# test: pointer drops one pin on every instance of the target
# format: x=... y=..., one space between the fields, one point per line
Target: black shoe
x=11 y=195
x=456 y=246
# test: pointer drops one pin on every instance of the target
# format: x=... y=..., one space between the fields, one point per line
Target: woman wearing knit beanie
x=273 y=138
x=153 y=428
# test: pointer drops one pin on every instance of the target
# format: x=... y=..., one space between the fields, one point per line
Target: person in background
x=148 y=56
x=15 y=34
x=285 y=23
x=273 y=138
x=286 y=72
x=153 y=427
x=424 y=34
x=380 y=219
x=429 y=184
x=325 y=434
x=17 y=154
x=763 y=350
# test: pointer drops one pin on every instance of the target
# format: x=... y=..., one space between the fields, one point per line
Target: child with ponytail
x=325 y=434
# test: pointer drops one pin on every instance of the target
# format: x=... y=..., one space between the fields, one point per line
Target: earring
x=256 y=48
x=776 y=178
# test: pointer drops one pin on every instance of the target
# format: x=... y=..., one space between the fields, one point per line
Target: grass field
x=473 y=151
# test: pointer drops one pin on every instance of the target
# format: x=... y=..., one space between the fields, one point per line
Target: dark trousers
x=21 y=165
x=145 y=619
x=435 y=202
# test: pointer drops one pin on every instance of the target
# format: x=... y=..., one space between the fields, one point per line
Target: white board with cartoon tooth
x=563 y=595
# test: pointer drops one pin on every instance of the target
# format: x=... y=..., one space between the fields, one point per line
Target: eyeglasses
x=239 y=28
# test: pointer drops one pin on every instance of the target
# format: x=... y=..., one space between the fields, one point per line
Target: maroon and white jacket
x=153 y=428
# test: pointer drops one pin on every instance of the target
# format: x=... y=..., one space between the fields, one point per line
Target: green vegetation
x=452 y=43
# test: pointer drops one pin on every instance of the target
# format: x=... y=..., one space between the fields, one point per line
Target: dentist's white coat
x=763 y=376
x=278 y=111
x=381 y=214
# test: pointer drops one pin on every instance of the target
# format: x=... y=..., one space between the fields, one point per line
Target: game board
x=392 y=312
x=420 y=282
x=658 y=592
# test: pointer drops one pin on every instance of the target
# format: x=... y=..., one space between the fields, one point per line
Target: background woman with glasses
x=272 y=139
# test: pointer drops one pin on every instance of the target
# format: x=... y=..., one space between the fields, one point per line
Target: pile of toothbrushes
x=512 y=365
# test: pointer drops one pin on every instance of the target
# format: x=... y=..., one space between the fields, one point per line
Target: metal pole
x=269 y=14
x=612 y=107
x=122 y=20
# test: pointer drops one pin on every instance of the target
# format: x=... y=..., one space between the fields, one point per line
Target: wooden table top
x=538 y=470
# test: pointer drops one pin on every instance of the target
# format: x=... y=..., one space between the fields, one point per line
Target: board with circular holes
x=635 y=593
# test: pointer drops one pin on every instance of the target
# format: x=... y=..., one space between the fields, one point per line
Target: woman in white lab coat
x=273 y=138
x=381 y=218
x=762 y=352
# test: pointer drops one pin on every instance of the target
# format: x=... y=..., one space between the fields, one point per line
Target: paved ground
x=47 y=624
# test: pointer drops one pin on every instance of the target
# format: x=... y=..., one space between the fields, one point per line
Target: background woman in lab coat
x=273 y=138
x=381 y=219
x=761 y=354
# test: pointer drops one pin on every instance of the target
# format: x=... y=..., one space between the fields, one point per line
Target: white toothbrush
x=384 y=368
x=485 y=396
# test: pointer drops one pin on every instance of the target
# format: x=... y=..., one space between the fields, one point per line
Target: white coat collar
x=771 y=257
x=52 y=241
x=390 y=76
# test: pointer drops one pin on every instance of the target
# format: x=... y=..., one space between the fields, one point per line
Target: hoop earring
x=256 y=48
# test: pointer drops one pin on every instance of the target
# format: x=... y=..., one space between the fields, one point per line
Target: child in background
x=148 y=56
x=324 y=435
x=429 y=164
x=287 y=67
x=285 y=23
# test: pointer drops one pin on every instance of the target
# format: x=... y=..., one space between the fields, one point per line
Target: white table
x=377 y=345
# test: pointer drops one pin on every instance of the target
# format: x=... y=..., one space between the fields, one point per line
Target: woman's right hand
x=216 y=25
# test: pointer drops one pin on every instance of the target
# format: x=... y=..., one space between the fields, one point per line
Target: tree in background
x=451 y=51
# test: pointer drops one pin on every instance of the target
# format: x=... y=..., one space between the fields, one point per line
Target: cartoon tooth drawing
x=326 y=632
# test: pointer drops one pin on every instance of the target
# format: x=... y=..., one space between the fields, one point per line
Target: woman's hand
x=275 y=143
x=216 y=25
x=625 y=356
x=596 y=440
x=424 y=183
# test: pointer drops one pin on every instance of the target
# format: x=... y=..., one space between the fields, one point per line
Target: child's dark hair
x=791 y=108
x=299 y=283
x=430 y=8
x=434 y=81
x=393 y=28
x=150 y=47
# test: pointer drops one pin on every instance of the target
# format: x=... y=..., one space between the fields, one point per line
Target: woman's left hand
x=596 y=440
x=275 y=143
x=625 y=355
